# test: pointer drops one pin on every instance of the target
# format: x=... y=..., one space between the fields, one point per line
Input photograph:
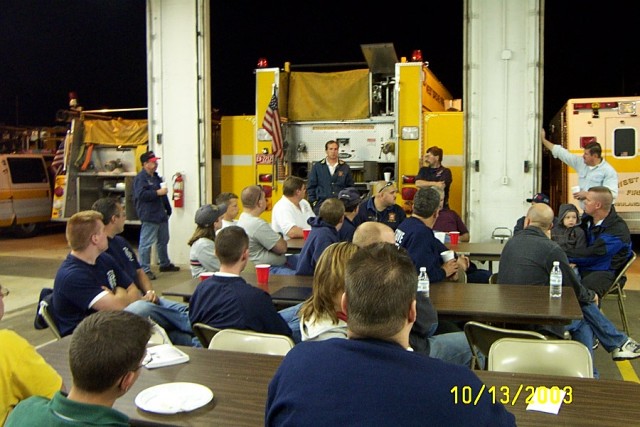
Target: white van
x=25 y=193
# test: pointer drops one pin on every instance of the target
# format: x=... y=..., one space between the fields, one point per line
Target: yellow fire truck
x=383 y=117
x=614 y=123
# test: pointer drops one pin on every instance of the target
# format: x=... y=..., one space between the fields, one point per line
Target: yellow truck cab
x=25 y=193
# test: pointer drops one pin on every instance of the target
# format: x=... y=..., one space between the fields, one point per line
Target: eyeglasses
x=388 y=184
x=3 y=291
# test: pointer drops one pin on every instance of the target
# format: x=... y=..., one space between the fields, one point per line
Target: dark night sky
x=97 y=48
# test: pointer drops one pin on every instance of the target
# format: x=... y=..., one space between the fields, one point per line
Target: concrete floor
x=28 y=265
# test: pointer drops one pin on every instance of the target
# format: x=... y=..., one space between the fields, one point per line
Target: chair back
x=43 y=311
x=616 y=290
x=251 y=342
x=481 y=336
x=493 y=279
x=552 y=357
x=204 y=333
x=502 y=234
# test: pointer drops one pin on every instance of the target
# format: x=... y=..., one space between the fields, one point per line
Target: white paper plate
x=172 y=398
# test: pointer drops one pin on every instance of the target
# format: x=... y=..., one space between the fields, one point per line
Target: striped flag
x=271 y=123
x=57 y=165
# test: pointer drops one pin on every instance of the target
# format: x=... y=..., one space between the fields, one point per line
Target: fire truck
x=100 y=159
x=383 y=116
x=614 y=123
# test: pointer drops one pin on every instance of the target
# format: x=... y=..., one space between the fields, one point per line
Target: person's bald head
x=539 y=215
x=371 y=232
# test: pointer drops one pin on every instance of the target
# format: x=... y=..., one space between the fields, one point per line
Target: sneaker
x=169 y=267
x=630 y=350
x=596 y=343
x=150 y=275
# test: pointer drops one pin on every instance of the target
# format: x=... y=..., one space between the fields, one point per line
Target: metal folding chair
x=616 y=290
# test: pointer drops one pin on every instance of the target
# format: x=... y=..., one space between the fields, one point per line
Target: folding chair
x=43 y=311
x=502 y=234
x=616 y=289
x=251 y=342
x=481 y=336
x=554 y=357
x=204 y=333
x=493 y=279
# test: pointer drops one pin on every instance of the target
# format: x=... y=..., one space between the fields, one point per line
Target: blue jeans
x=453 y=348
x=172 y=316
x=290 y=315
x=153 y=233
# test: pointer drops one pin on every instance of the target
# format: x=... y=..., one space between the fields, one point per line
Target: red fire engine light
x=263 y=63
x=416 y=56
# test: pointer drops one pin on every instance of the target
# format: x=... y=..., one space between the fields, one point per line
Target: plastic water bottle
x=555 y=281
x=423 y=281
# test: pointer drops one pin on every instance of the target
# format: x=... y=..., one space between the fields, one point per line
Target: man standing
x=265 y=245
x=226 y=300
x=106 y=354
x=381 y=207
x=153 y=209
x=608 y=241
x=434 y=174
x=528 y=257
x=328 y=177
x=333 y=380
x=289 y=215
x=592 y=169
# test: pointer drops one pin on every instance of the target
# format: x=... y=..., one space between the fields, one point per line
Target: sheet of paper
x=547 y=400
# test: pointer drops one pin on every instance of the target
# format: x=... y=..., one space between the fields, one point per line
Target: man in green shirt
x=105 y=356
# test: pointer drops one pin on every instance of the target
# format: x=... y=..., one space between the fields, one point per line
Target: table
x=482 y=302
x=294 y=246
x=239 y=382
x=594 y=402
x=479 y=251
x=276 y=282
x=503 y=303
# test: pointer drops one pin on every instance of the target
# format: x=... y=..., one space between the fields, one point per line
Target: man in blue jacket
x=328 y=177
x=153 y=209
x=324 y=232
x=608 y=241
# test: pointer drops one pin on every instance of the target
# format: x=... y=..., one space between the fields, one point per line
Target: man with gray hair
x=380 y=303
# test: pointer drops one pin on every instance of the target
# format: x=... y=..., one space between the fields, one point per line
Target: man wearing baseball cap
x=537 y=198
x=153 y=209
x=202 y=254
x=351 y=199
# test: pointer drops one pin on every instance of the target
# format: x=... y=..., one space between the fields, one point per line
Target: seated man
x=265 y=245
x=290 y=214
x=226 y=300
x=230 y=200
x=324 y=231
x=381 y=206
x=608 y=242
x=415 y=234
x=90 y=280
x=332 y=380
x=106 y=353
x=351 y=200
x=527 y=258
x=23 y=372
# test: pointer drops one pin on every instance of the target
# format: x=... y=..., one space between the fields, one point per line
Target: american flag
x=57 y=165
x=271 y=123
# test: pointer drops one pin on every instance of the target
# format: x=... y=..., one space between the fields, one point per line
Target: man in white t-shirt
x=291 y=212
x=265 y=245
x=230 y=200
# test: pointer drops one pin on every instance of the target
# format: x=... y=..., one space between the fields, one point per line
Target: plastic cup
x=387 y=176
x=440 y=236
x=163 y=185
x=305 y=233
x=454 y=236
x=575 y=189
x=262 y=272
x=447 y=256
x=204 y=276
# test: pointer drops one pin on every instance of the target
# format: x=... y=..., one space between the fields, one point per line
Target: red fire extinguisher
x=178 y=190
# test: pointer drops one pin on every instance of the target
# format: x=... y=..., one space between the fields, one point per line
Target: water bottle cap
x=423 y=268
x=556 y=262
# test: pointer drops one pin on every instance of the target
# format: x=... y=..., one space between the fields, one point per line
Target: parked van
x=25 y=193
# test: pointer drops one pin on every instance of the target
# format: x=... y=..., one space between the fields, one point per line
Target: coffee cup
x=447 y=256
x=454 y=237
x=305 y=233
x=163 y=184
x=204 y=276
x=440 y=236
x=262 y=272
x=387 y=176
x=575 y=189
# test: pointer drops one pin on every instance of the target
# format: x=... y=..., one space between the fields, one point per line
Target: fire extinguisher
x=178 y=190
